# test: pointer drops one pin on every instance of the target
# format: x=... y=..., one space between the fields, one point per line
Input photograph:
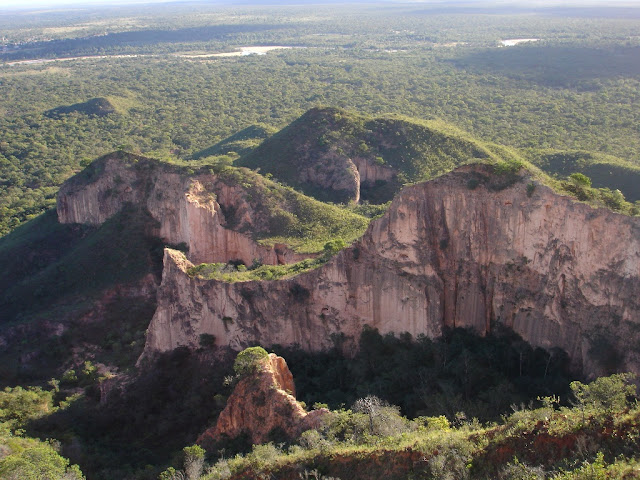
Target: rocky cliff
x=467 y=249
x=261 y=402
x=212 y=216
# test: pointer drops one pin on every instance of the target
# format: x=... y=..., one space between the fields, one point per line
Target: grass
x=231 y=274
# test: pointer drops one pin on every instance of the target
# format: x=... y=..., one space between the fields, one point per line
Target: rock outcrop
x=261 y=403
x=207 y=214
x=465 y=250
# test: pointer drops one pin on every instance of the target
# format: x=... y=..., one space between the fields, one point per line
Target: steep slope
x=217 y=214
x=336 y=155
x=468 y=249
x=75 y=292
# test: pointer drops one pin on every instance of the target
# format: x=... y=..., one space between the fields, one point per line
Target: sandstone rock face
x=370 y=173
x=189 y=209
x=333 y=171
x=262 y=402
x=560 y=273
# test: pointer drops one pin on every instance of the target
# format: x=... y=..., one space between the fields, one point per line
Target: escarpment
x=262 y=402
x=467 y=249
x=212 y=216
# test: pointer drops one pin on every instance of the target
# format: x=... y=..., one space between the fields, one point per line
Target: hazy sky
x=25 y=4
x=55 y=3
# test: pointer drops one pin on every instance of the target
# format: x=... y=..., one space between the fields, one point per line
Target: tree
x=580 y=180
x=36 y=463
x=193 y=461
x=248 y=360
x=604 y=395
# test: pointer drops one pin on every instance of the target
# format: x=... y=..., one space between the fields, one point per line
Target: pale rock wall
x=334 y=172
x=560 y=273
x=188 y=210
x=370 y=173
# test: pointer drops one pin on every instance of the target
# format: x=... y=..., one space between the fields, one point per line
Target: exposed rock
x=189 y=209
x=262 y=402
x=560 y=273
x=370 y=173
x=333 y=171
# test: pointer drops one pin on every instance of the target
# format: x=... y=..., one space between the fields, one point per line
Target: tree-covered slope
x=387 y=151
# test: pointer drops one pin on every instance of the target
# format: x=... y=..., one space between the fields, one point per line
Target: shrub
x=521 y=471
x=604 y=395
x=18 y=405
x=248 y=361
x=580 y=180
x=333 y=246
x=193 y=461
x=39 y=462
x=531 y=187
x=207 y=340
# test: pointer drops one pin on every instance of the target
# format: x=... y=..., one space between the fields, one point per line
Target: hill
x=340 y=156
x=96 y=107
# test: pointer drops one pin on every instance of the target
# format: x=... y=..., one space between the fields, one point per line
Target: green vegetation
x=566 y=104
x=249 y=361
x=54 y=274
x=234 y=272
x=579 y=186
x=573 y=91
x=302 y=223
x=457 y=372
x=371 y=440
x=98 y=107
x=606 y=171
x=327 y=138
x=27 y=458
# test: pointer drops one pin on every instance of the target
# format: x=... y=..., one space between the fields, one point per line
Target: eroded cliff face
x=189 y=210
x=262 y=402
x=558 y=272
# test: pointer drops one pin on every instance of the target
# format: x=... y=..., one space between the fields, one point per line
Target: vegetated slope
x=98 y=107
x=597 y=438
x=239 y=143
x=604 y=170
x=74 y=289
x=341 y=156
x=336 y=155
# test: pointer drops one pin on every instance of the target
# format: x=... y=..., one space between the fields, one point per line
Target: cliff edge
x=467 y=249
x=214 y=214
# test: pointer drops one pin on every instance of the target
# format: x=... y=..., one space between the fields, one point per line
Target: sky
x=26 y=4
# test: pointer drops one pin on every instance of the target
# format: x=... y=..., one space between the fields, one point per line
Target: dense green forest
x=573 y=90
